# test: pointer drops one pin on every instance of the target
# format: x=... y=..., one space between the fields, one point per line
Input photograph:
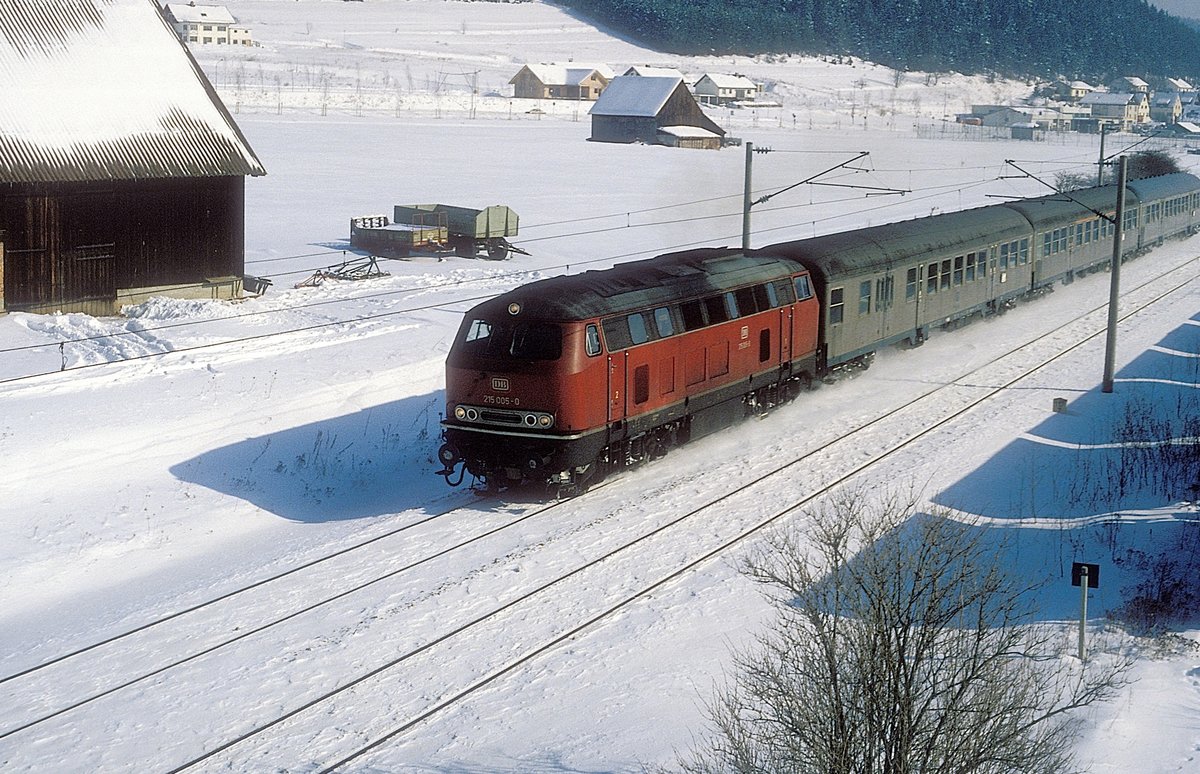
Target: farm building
x=718 y=89
x=206 y=24
x=654 y=72
x=112 y=193
x=652 y=110
x=551 y=81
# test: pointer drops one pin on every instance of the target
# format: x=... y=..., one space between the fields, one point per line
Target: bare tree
x=1152 y=163
x=1073 y=181
x=902 y=645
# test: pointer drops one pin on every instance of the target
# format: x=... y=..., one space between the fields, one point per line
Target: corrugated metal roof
x=104 y=90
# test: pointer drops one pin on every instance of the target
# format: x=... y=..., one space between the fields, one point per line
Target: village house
x=717 y=89
x=109 y=196
x=654 y=72
x=1166 y=107
x=1129 y=84
x=1043 y=118
x=653 y=110
x=1074 y=91
x=554 y=81
x=1120 y=110
x=206 y=25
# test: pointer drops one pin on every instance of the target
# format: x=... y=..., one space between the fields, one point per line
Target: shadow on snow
x=378 y=460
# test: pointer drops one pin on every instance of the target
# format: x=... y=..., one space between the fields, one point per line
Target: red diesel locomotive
x=559 y=381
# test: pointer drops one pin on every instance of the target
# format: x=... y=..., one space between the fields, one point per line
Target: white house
x=206 y=24
x=718 y=88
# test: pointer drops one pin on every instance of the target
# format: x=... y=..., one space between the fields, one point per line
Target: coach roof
x=874 y=248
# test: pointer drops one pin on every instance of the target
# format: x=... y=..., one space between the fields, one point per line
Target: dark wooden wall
x=68 y=244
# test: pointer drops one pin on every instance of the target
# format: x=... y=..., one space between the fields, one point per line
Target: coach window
x=593 y=341
x=662 y=318
x=836 y=305
x=910 y=284
x=931 y=274
x=864 y=297
x=803 y=287
x=958 y=270
x=945 y=274
x=970 y=270
x=637 y=329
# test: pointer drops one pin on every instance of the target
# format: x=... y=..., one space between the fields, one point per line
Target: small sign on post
x=1085 y=576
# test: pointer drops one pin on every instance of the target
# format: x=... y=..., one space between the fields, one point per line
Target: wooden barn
x=121 y=173
x=639 y=109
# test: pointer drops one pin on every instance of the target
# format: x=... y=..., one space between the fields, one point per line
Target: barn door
x=87 y=249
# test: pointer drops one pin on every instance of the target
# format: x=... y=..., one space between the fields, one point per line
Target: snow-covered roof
x=654 y=72
x=1107 y=98
x=572 y=74
x=634 y=95
x=688 y=132
x=730 y=81
x=1133 y=80
x=1188 y=126
x=1179 y=84
x=1082 y=86
x=196 y=14
x=104 y=90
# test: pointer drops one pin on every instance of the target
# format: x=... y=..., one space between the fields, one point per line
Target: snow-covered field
x=161 y=460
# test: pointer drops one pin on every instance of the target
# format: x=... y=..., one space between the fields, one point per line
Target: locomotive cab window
x=662 y=318
x=523 y=341
x=693 y=315
x=718 y=312
x=592 y=341
x=803 y=287
x=536 y=341
x=637 y=328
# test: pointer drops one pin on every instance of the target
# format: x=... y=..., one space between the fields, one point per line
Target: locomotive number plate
x=500 y=385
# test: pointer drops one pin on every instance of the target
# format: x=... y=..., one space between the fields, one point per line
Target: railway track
x=661 y=553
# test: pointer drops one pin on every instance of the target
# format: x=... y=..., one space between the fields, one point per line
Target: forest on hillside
x=1039 y=38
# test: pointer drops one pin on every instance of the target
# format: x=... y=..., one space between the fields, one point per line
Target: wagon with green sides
x=470 y=231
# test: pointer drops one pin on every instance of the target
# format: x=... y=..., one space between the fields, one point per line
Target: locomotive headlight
x=460 y=413
x=545 y=420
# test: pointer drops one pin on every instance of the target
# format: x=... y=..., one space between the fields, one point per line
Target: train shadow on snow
x=376 y=461
x=1086 y=485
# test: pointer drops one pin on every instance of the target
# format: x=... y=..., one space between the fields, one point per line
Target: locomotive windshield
x=522 y=341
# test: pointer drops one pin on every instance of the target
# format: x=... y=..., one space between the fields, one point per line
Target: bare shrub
x=901 y=645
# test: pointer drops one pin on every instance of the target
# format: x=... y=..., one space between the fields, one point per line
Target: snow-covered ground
x=160 y=460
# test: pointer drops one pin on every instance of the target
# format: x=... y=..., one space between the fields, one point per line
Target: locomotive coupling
x=450 y=459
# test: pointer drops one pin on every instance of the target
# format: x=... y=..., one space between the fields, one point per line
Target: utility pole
x=1114 y=288
x=746 y=200
x=1100 y=163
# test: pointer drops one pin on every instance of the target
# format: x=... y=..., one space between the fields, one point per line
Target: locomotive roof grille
x=643 y=284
